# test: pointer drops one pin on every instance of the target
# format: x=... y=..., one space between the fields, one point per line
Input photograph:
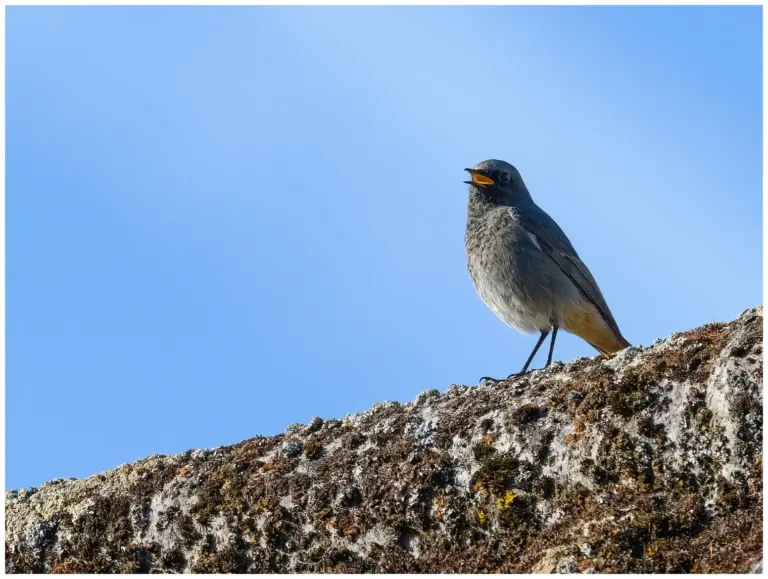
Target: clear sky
x=224 y=220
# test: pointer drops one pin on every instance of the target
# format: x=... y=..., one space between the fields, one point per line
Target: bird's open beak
x=479 y=178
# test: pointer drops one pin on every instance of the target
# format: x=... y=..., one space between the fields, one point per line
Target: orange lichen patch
x=441 y=502
x=185 y=471
x=578 y=425
x=68 y=567
x=351 y=530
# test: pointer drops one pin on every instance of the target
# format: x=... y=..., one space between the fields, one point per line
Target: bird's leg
x=544 y=334
x=552 y=345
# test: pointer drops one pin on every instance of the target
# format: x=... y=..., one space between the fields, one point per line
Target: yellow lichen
x=481 y=517
x=504 y=502
x=261 y=504
x=480 y=487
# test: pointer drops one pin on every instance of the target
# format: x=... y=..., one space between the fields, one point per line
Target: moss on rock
x=648 y=462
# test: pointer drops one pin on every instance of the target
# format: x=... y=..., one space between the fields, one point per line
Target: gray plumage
x=524 y=267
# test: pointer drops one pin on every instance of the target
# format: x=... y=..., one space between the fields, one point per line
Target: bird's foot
x=489 y=380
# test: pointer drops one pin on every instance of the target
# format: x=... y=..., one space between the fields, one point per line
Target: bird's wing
x=555 y=244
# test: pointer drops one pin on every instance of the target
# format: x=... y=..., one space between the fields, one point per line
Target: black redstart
x=526 y=270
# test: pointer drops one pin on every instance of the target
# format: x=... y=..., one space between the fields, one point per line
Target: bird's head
x=497 y=180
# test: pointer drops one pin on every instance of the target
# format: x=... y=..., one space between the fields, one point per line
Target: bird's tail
x=591 y=328
x=607 y=352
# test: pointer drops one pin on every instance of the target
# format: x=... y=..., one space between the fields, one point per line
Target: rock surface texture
x=649 y=462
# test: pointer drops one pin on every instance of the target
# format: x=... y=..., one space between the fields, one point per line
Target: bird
x=525 y=268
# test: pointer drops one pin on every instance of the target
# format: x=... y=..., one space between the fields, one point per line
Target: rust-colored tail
x=589 y=325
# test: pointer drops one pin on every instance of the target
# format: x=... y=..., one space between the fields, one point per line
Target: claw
x=488 y=379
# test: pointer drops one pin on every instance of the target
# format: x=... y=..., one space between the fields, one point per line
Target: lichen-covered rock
x=649 y=462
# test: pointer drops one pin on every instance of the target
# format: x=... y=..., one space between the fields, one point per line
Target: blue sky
x=224 y=220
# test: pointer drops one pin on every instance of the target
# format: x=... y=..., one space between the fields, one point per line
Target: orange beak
x=479 y=178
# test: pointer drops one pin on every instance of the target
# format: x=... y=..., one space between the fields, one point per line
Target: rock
x=574 y=396
x=314 y=425
x=290 y=449
x=649 y=462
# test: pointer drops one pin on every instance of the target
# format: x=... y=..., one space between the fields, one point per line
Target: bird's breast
x=493 y=255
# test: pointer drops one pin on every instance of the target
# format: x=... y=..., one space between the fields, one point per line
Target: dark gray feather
x=555 y=244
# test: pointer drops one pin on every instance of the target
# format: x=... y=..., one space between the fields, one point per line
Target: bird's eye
x=503 y=177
